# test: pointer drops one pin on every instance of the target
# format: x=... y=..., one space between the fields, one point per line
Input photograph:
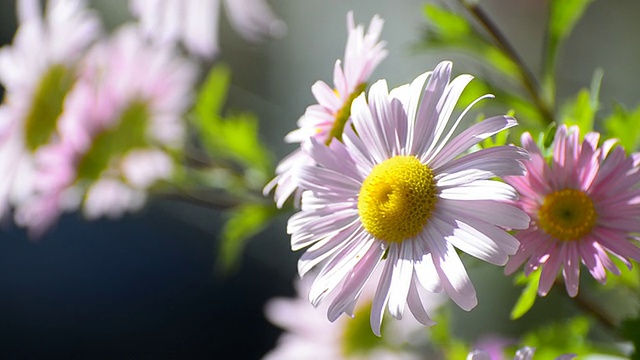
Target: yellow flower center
x=567 y=214
x=396 y=199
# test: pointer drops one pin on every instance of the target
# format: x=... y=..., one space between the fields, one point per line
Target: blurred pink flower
x=326 y=119
x=195 y=22
x=121 y=122
x=37 y=70
x=583 y=205
x=310 y=335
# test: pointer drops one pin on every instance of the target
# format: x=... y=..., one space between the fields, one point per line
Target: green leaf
x=582 y=109
x=233 y=136
x=564 y=15
x=529 y=293
x=212 y=96
x=237 y=137
x=622 y=125
x=244 y=222
x=566 y=337
x=447 y=24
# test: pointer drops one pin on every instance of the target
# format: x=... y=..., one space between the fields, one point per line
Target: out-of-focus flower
x=397 y=192
x=122 y=122
x=195 y=22
x=309 y=335
x=583 y=205
x=37 y=71
x=526 y=353
x=326 y=119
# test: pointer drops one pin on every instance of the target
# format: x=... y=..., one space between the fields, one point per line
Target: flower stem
x=528 y=79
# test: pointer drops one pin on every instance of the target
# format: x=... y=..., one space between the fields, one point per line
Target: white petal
x=480 y=190
x=453 y=275
x=401 y=276
x=471 y=136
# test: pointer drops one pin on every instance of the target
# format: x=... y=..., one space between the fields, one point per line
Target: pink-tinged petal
x=415 y=304
x=479 y=190
x=339 y=266
x=325 y=96
x=322 y=179
x=365 y=124
x=401 y=276
x=483 y=164
x=453 y=276
x=617 y=243
x=428 y=123
x=335 y=158
x=381 y=297
x=588 y=164
x=432 y=152
x=550 y=270
x=354 y=283
x=589 y=256
x=471 y=136
x=470 y=240
x=320 y=227
x=571 y=269
x=327 y=247
x=501 y=214
x=530 y=244
x=424 y=269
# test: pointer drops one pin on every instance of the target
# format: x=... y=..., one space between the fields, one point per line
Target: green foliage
x=233 y=137
x=630 y=329
x=567 y=337
x=243 y=223
x=235 y=163
x=448 y=29
x=446 y=24
x=581 y=110
x=442 y=337
x=622 y=124
x=528 y=296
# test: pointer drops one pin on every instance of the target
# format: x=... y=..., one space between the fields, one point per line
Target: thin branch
x=528 y=79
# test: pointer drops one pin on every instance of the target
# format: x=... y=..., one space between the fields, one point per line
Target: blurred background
x=147 y=285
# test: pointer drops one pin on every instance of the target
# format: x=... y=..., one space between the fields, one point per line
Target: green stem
x=528 y=79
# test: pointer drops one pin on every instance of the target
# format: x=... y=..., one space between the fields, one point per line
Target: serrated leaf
x=244 y=223
x=528 y=296
x=622 y=125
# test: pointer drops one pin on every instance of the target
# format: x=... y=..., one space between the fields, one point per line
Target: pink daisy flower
x=583 y=205
x=37 y=71
x=195 y=22
x=326 y=119
x=397 y=193
x=122 y=121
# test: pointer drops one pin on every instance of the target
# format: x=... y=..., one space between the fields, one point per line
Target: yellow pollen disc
x=396 y=199
x=567 y=214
